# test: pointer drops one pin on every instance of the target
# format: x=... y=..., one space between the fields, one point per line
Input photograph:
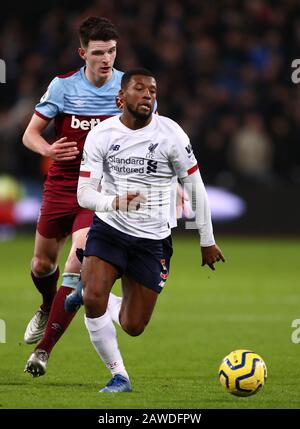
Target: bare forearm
x=60 y=150
x=36 y=143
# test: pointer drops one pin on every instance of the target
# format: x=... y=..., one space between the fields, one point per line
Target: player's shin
x=103 y=335
x=46 y=285
x=59 y=319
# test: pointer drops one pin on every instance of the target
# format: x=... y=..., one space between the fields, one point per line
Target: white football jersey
x=145 y=160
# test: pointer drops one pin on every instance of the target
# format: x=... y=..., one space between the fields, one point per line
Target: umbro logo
x=79 y=103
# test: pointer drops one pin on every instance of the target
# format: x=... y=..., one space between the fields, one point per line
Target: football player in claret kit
x=76 y=102
x=135 y=155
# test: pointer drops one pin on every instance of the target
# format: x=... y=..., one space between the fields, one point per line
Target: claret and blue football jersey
x=76 y=105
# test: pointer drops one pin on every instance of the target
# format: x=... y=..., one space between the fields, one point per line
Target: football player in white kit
x=135 y=155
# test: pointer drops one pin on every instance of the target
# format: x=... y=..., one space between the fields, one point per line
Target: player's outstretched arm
x=211 y=255
x=194 y=186
x=60 y=150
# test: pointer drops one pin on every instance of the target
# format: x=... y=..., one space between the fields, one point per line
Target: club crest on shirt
x=151 y=149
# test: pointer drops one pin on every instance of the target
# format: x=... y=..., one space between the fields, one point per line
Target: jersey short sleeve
x=181 y=154
x=52 y=102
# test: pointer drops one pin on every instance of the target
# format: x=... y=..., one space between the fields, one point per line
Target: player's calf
x=134 y=329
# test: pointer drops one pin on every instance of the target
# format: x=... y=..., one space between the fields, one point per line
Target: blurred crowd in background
x=223 y=70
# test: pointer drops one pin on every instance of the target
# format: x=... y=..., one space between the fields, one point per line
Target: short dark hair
x=97 y=28
x=133 y=72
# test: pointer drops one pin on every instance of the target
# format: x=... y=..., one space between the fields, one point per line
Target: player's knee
x=134 y=329
x=94 y=299
x=90 y=297
x=41 y=266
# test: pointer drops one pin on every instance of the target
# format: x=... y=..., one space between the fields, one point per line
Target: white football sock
x=104 y=338
x=114 y=306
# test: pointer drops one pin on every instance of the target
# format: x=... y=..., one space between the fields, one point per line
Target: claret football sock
x=58 y=320
x=103 y=335
x=46 y=285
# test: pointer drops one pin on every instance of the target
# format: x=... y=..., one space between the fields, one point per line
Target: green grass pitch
x=249 y=302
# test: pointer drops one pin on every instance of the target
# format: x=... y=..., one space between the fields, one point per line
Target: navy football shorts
x=146 y=261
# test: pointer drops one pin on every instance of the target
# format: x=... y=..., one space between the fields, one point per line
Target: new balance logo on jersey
x=151 y=167
x=188 y=148
x=85 y=124
x=114 y=147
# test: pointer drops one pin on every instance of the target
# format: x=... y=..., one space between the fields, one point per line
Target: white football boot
x=36 y=327
x=37 y=363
